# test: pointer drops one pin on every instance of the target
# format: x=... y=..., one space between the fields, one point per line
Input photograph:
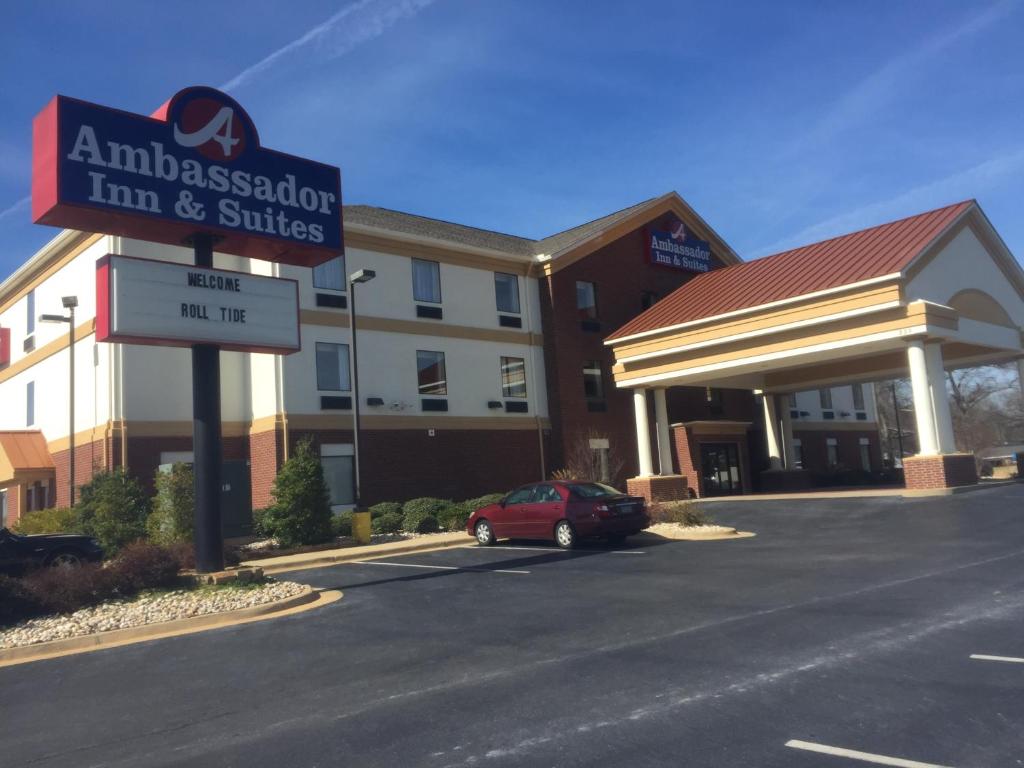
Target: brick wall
x=90 y=458
x=815 y=450
x=266 y=454
x=947 y=471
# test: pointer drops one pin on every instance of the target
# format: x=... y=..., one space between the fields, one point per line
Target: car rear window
x=592 y=490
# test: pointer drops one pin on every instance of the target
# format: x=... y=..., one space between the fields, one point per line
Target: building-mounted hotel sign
x=5 y=346
x=195 y=166
x=678 y=249
x=140 y=301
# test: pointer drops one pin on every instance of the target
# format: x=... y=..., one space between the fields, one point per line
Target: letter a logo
x=211 y=128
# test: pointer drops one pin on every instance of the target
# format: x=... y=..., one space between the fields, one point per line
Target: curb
x=356 y=556
x=720 y=536
x=305 y=600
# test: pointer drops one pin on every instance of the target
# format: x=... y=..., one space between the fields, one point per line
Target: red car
x=564 y=512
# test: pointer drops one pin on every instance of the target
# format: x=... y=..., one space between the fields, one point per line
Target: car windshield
x=592 y=490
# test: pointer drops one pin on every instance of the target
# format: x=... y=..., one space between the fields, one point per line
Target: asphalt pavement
x=841 y=635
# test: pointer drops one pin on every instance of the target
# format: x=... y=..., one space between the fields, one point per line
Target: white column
x=924 y=414
x=643 y=432
x=664 y=439
x=1020 y=377
x=787 y=432
x=945 y=440
x=771 y=429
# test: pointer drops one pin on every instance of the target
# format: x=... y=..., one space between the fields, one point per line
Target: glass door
x=720 y=466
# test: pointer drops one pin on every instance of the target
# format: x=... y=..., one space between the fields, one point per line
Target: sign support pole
x=206 y=442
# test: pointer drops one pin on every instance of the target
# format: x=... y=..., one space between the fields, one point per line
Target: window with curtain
x=426 y=281
x=858 y=397
x=513 y=377
x=332 y=367
x=506 y=292
x=593 y=380
x=825 y=398
x=586 y=300
x=330 y=275
x=431 y=373
x=30 y=320
x=832 y=448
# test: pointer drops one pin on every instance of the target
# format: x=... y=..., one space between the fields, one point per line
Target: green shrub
x=684 y=513
x=53 y=520
x=482 y=501
x=113 y=509
x=454 y=517
x=341 y=525
x=259 y=518
x=173 y=515
x=384 y=508
x=390 y=522
x=301 y=513
x=17 y=601
x=141 y=565
x=416 y=511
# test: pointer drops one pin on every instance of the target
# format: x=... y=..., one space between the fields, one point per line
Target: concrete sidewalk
x=284 y=563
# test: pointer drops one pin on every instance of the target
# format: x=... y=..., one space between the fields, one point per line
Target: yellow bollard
x=361 y=527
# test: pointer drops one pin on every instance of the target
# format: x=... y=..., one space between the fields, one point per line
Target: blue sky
x=781 y=123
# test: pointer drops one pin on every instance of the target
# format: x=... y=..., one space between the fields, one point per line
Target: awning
x=24 y=457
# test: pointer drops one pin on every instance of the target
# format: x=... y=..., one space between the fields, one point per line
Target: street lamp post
x=362 y=276
x=69 y=302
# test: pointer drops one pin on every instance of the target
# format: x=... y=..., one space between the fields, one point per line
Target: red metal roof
x=883 y=250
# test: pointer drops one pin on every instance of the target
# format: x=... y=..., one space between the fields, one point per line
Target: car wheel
x=484 y=533
x=565 y=534
x=65 y=559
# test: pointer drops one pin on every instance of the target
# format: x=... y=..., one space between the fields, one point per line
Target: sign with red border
x=142 y=301
x=196 y=165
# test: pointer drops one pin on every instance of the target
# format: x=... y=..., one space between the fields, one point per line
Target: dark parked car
x=563 y=512
x=49 y=549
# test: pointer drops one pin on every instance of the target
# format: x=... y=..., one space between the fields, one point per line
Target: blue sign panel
x=195 y=166
x=679 y=250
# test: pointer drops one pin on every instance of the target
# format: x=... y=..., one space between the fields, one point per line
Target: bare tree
x=894 y=407
x=984 y=406
x=585 y=462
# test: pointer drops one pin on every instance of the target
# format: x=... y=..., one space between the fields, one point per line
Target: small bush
x=384 y=508
x=387 y=523
x=301 y=513
x=53 y=520
x=482 y=501
x=173 y=515
x=145 y=566
x=454 y=518
x=341 y=525
x=416 y=511
x=684 y=513
x=259 y=517
x=113 y=509
x=65 y=590
x=17 y=601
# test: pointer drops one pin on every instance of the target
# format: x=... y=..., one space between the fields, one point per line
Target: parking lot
x=845 y=633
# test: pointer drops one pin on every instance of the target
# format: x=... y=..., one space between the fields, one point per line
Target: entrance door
x=235 y=499
x=720 y=465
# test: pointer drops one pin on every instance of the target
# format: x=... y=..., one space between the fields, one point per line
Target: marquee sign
x=195 y=166
x=679 y=249
x=5 y=346
x=140 y=301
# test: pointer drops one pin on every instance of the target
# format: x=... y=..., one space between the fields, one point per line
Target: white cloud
x=949 y=189
x=350 y=27
x=12 y=209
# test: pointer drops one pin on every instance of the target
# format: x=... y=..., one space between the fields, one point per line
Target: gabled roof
x=23 y=451
x=871 y=253
x=550 y=247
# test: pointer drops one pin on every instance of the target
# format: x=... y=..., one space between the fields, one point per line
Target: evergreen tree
x=301 y=513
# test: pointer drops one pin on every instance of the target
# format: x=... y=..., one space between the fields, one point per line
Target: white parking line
x=983 y=657
x=523 y=549
x=438 y=567
x=627 y=552
x=865 y=757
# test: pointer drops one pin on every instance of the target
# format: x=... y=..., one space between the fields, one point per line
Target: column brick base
x=948 y=470
x=658 y=487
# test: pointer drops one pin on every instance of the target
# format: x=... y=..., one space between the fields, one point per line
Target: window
x=546 y=493
x=858 y=397
x=426 y=281
x=593 y=380
x=338 y=463
x=586 y=300
x=30 y=404
x=520 y=496
x=714 y=400
x=332 y=371
x=600 y=458
x=513 y=377
x=792 y=399
x=330 y=275
x=648 y=299
x=798 y=453
x=832 y=446
x=506 y=292
x=865 y=454
x=30 y=321
x=825 y=397
x=431 y=372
